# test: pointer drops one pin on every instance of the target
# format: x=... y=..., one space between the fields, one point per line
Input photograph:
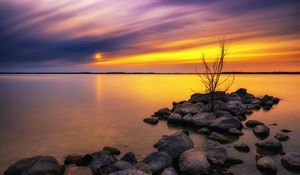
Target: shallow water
x=62 y=114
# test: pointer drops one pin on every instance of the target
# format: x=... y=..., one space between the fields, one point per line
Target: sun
x=98 y=56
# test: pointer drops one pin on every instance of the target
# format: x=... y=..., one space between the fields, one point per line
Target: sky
x=148 y=35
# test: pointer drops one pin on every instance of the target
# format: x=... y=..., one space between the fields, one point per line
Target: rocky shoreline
x=176 y=153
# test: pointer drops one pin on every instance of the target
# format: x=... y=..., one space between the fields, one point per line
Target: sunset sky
x=147 y=35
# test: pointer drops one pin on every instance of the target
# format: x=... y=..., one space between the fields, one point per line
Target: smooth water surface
x=62 y=114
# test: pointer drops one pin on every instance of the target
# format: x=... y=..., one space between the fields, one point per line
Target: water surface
x=62 y=114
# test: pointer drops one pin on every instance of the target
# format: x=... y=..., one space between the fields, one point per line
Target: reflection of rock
x=157 y=161
x=193 y=162
x=242 y=147
x=291 y=161
x=272 y=145
x=175 y=144
x=281 y=137
x=267 y=165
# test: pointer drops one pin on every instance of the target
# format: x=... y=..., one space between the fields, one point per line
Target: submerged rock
x=129 y=157
x=291 y=161
x=266 y=165
x=285 y=130
x=261 y=130
x=242 y=147
x=112 y=150
x=219 y=137
x=169 y=171
x=281 y=137
x=230 y=161
x=175 y=144
x=253 y=123
x=157 y=161
x=151 y=121
x=226 y=123
x=41 y=165
x=143 y=167
x=204 y=131
x=272 y=145
x=78 y=170
x=129 y=172
x=193 y=162
x=215 y=152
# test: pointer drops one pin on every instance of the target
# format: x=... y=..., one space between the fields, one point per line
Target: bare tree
x=211 y=76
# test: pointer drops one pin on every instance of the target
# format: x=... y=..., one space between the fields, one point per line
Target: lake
x=63 y=114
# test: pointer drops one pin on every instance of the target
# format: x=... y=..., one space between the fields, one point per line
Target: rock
x=174 y=118
x=163 y=111
x=157 y=161
x=215 y=153
x=241 y=91
x=188 y=108
x=235 y=108
x=242 y=147
x=269 y=101
x=230 y=161
x=267 y=165
x=169 y=171
x=85 y=160
x=285 y=130
x=248 y=112
x=151 y=121
x=272 y=145
x=225 y=123
x=129 y=172
x=112 y=150
x=203 y=98
x=78 y=170
x=175 y=144
x=143 y=167
x=37 y=165
x=72 y=159
x=219 y=137
x=281 y=137
x=129 y=157
x=204 y=130
x=261 y=130
x=202 y=119
x=120 y=165
x=253 y=123
x=102 y=160
x=234 y=131
x=291 y=161
x=193 y=162
x=273 y=124
x=221 y=113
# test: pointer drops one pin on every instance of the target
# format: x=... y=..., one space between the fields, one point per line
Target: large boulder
x=226 y=123
x=102 y=159
x=215 y=152
x=235 y=108
x=202 y=119
x=272 y=145
x=169 y=171
x=37 y=165
x=253 y=123
x=120 y=165
x=219 y=137
x=157 y=161
x=129 y=172
x=193 y=162
x=77 y=170
x=261 y=130
x=196 y=98
x=291 y=161
x=188 y=108
x=266 y=165
x=174 y=118
x=175 y=144
x=143 y=167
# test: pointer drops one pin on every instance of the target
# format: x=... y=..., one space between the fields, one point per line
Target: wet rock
x=188 y=108
x=143 y=167
x=72 y=159
x=235 y=108
x=174 y=118
x=129 y=157
x=221 y=113
x=226 y=123
x=234 y=131
x=204 y=131
x=219 y=137
x=129 y=172
x=101 y=161
x=261 y=130
x=248 y=112
x=253 y=123
x=112 y=150
x=151 y=121
x=169 y=171
x=241 y=91
x=157 y=161
x=120 y=165
x=272 y=145
x=281 y=137
x=285 y=130
x=193 y=162
x=85 y=160
x=163 y=111
x=175 y=144
x=291 y=161
x=78 y=170
x=203 y=98
x=266 y=165
x=41 y=165
x=215 y=152
x=202 y=119
x=242 y=147
x=230 y=161
x=269 y=100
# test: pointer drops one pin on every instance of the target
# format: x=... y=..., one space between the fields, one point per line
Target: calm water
x=63 y=114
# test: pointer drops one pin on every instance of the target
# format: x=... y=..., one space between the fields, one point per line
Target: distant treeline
x=142 y=73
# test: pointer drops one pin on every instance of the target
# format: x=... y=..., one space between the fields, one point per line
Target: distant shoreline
x=143 y=73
